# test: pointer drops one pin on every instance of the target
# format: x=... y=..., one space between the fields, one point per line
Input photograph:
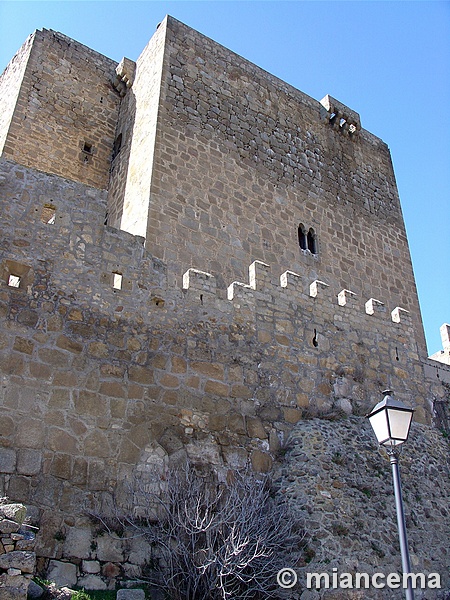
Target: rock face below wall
x=342 y=486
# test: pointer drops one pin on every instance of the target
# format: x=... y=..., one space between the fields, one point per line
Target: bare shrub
x=214 y=540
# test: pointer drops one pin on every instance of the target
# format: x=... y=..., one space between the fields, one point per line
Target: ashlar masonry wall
x=241 y=159
x=10 y=85
x=132 y=166
x=65 y=116
x=97 y=379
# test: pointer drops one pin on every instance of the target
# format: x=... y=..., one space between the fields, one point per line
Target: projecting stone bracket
x=400 y=315
x=347 y=298
x=374 y=306
x=316 y=286
x=340 y=116
x=125 y=74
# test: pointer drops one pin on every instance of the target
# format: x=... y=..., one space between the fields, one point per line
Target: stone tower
x=195 y=257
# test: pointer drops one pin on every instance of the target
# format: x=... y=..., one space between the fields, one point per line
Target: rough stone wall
x=66 y=114
x=10 y=83
x=17 y=556
x=241 y=159
x=97 y=381
x=342 y=488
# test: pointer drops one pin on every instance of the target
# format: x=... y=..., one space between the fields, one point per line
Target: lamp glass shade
x=391 y=421
x=399 y=424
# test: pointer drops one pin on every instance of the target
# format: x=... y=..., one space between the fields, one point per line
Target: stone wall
x=341 y=485
x=17 y=556
x=131 y=170
x=98 y=381
x=10 y=84
x=242 y=159
x=65 y=116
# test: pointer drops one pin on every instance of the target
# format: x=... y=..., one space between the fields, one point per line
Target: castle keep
x=196 y=260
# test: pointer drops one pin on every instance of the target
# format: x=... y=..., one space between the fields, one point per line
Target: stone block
x=29 y=461
x=261 y=461
x=7 y=526
x=130 y=595
x=67 y=343
x=35 y=591
x=54 y=358
x=110 y=549
x=30 y=433
x=62 y=573
x=40 y=370
x=78 y=543
x=7 y=460
x=141 y=375
x=111 y=570
x=92 y=582
x=13 y=587
x=211 y=370
x=255 y=428
x=18 y=559
x=216 y=388
x=23 y=345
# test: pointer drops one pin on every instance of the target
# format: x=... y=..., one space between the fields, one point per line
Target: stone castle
x=199 y=261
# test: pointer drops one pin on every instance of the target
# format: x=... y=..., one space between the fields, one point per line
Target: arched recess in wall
x=302 y=237
x=307 y=240
x=312 y=241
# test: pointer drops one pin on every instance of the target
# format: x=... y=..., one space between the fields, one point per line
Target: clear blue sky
x=389 y=61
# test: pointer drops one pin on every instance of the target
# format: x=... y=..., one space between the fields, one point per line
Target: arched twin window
x=307 y=240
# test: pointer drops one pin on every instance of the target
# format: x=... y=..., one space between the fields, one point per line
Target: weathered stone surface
x=15 y=511
x=90 y=566
x=62 y=573
x=78 y=543
x=24 y=561
x=339 y=484
x=130 y=594
x=7 y=460
x=35 y=591
x=8 y=526
x=110 y=549
x=92 y=582
x=13 y=587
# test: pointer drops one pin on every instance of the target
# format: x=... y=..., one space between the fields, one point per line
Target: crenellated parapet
x=295 y=287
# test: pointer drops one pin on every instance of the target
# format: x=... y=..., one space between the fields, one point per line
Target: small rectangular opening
x=48 y=214
x=117 y=281
x=14 y=281
x=87 y=148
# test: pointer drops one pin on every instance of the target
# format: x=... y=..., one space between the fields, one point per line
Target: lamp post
x=391 y=420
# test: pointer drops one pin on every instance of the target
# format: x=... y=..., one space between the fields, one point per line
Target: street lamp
x=391 y=420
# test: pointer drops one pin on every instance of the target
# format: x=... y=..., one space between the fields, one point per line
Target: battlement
x=292 y=287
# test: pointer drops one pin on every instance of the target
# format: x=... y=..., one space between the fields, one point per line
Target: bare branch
x=211 y=540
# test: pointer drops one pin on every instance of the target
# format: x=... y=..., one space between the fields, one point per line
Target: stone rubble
x=17 y=556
